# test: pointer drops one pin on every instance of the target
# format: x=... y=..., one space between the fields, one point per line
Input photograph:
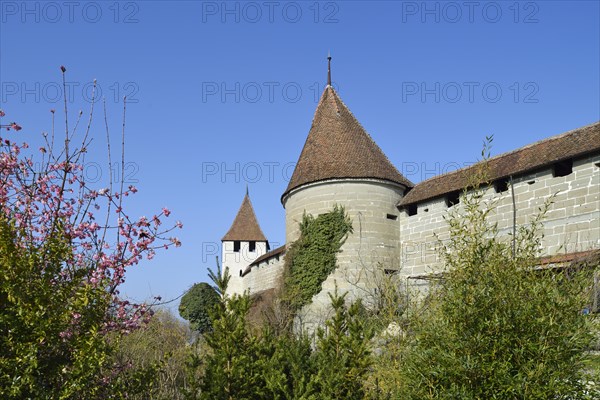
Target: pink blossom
x=108 y=245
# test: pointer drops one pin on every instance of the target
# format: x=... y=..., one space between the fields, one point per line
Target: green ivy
x=311 y=258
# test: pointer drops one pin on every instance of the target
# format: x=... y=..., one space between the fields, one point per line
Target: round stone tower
x=341 y=164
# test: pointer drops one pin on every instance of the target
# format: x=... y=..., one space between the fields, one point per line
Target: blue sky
x=223 y=93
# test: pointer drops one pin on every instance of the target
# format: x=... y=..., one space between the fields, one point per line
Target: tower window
x=501 y=185
x=452 y=198
x=392 y=217
x=236 y=246
x=252 y=246
x=562 y=168
x=411 y=209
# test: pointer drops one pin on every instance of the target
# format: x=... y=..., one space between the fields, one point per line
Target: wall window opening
x=236 y=246
x=411 y=209
x=252 y=246
x=452 y=198
x=501 y=185
x=562 y=168
x=392 y=217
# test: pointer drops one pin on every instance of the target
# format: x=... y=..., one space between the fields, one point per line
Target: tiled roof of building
x=278 y=251
x=533 y=157
x=245 y=225
x=338 y=146
x=267 y=256
x=566 y=260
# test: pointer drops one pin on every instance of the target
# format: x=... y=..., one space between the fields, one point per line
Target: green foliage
x=51 y=341
x=157 y=352
x=290 y=366
x=243 y=364
x=196 y=304
x=312 y=257
x=232 y=370
x=342 y=356
x=495 y=327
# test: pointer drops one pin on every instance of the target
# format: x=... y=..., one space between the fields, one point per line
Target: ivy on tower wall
x=311 y=258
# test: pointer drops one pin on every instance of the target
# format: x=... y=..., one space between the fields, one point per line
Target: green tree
x=51 y=341
x=231 y=367
x=62 y=263
x=342 y=355
x=196 y=304
x=495 y=327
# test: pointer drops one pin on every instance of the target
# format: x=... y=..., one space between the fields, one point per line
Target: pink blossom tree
x=65 y=248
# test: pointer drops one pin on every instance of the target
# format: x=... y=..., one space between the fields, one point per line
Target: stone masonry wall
x=572 y=223
x=265 y=275
x=374 y=244
x=238 y=261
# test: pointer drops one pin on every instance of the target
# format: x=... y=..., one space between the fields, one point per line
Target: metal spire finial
x=246 y=189
x=328 y=68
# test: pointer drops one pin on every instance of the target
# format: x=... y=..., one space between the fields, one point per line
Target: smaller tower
x=243 y=243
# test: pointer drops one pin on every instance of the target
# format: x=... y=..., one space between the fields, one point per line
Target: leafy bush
x=495 y=327
x=62 y=263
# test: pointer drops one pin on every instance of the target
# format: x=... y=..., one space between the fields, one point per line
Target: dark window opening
x=426 y=210
x=240 y=272
x=392 y=217
x=452 y=198
x=411 y=209
x=236 y=246
x=252 y=246
x=531 y=182
x=501 y=185
x=562 y=168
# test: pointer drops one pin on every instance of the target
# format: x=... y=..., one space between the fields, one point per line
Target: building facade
x=395 y=220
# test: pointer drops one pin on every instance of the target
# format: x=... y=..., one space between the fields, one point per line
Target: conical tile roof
x=245 y=225
x=338 y=146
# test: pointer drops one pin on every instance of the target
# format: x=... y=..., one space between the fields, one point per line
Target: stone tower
x=243 y=243
x=341 y=164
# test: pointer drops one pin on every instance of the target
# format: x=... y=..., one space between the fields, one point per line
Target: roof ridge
x=533 y=156
x=507 y=153
x=368 y=134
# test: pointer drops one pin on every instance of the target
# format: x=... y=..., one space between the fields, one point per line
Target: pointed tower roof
x=338 y=146
x=245 y=225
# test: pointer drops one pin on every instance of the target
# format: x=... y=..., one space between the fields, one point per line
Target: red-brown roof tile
x=245 y=225
x=572 y=144
x=338 y=146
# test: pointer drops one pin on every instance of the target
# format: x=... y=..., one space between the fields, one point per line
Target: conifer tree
x=343 y=356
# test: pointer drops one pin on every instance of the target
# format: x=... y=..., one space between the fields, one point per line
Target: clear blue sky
x=225 y=93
